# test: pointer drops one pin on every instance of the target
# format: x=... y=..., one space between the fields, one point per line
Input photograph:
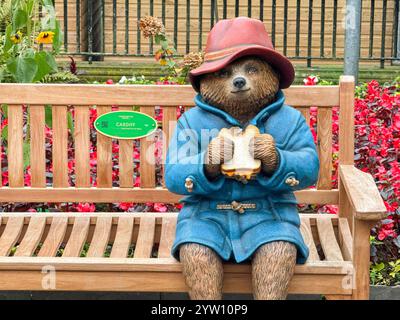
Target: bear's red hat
x=231 y=39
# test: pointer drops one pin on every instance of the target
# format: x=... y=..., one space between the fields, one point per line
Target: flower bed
x=377 y=110
x=377 y=146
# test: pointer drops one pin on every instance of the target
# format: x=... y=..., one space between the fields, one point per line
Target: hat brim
x=280 y=63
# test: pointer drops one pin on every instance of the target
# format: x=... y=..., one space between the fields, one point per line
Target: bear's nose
x=239 y=82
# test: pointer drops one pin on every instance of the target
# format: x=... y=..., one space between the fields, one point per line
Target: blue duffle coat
x=236 y=236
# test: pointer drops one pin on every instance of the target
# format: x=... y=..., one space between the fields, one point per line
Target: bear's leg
x=272 y=269
x=203 y=272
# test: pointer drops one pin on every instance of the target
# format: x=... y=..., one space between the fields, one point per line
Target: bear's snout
x=239 y=82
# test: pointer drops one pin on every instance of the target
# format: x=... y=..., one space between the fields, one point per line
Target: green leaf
x=29 y=53
x=171 y=63
x=49 y=17
x=29 y=6
x=378 y=267
x=47 y=2
x=7 y=41
x=20 y=18
x=4 y=110
x=26 y=152
x=23 y=69
x=164 y=44
x=48 y=116
x=58 y=37
x=13 y=250
x=157 y=39
x=70 y=122
x=4 y=133
x=46 y=64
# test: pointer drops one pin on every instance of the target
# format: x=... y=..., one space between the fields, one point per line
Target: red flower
x=332 y=209
x=4 y=179
x=160 y=207
x=86 y=207
x=396 y=121
x=4 y=123
x=383 y=234
x=125 y=206
x=137 y=182
x=311 y=81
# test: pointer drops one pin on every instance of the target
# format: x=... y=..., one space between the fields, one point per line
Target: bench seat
x=131 y=252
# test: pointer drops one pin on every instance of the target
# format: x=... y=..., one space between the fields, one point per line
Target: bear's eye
x=251 y=70
x=223 y=73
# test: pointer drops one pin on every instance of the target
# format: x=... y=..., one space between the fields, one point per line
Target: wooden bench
x=131 y=251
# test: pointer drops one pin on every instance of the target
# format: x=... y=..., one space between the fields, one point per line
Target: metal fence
x=301 y=29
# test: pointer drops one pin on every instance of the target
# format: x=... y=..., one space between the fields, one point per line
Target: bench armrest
x=362 y=193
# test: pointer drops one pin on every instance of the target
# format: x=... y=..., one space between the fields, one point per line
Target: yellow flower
x=17 y=37
x=45 y=37
x=163 y=62
x=169 y=52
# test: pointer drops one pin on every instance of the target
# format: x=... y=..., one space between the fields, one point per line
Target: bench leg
x=361 y=258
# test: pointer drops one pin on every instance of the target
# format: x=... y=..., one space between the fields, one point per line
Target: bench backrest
x=82 y=98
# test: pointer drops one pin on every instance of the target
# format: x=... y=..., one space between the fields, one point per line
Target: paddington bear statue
x=228 y=219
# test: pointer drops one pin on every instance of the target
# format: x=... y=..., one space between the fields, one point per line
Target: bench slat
x=145 y=240
x=305 y=229
x=328 y=240
x=104 y=155
x=346 y=120
x=168 y=228
x=125 y=160
x=123 y=238
x=324 y=132
x=82 y=146
x=169 y=123
x=345 y=239
x=150 y=281
x=78 y=237
x=10 y=235
x=101 y=237
x=139 y=195
x=37 y=146
x=54 y=238
x=172 y=95
x=60 y=147
x=32 y=237
x=147 y=168
x=15 y=146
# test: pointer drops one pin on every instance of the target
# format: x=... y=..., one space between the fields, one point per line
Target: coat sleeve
x=298 y=159
x=185 y=159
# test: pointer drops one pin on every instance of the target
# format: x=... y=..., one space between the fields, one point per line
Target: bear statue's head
x=242 y=88
x=241 y=72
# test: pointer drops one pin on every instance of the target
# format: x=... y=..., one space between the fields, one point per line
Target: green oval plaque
x=125 y=124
